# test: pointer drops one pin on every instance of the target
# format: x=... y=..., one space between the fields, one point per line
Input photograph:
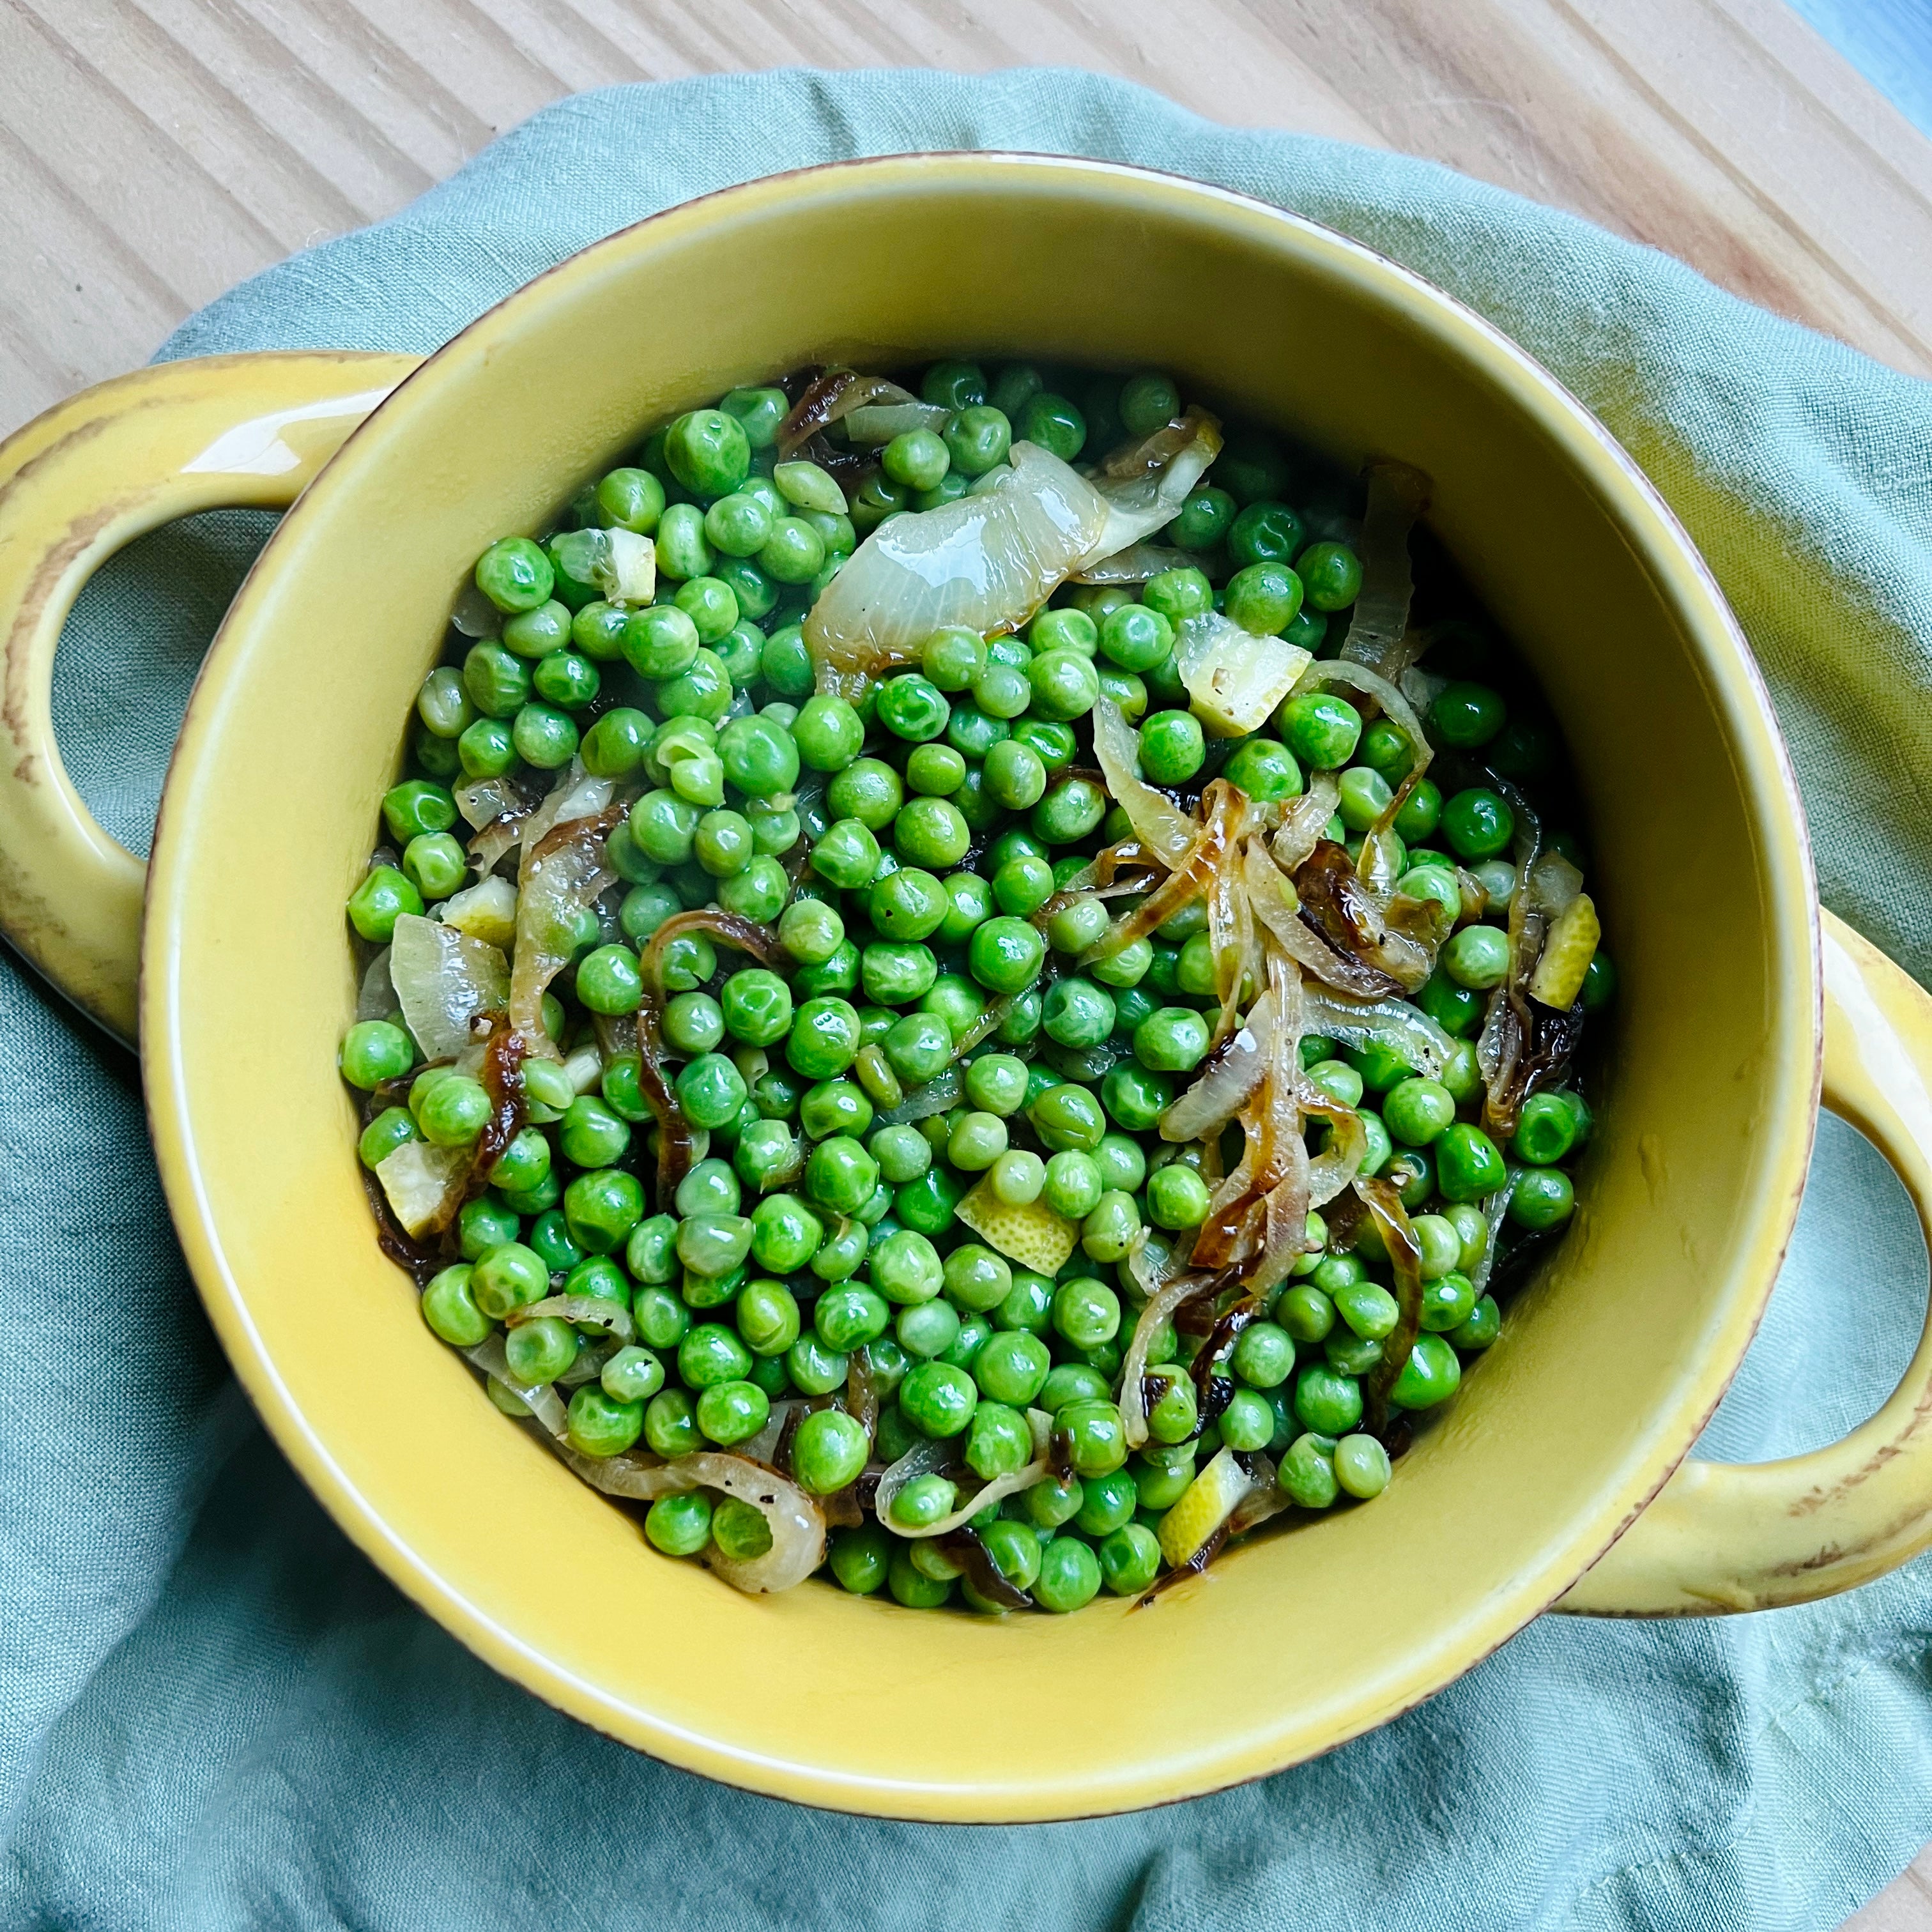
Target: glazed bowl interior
x=1607 y=1365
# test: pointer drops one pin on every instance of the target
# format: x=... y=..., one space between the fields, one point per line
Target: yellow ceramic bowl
x=1608 y=1365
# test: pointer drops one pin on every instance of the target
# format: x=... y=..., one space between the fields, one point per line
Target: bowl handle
x=76 y=483
x=1750 y=1536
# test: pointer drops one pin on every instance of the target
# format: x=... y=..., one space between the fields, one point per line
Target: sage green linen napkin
x=217 y=1715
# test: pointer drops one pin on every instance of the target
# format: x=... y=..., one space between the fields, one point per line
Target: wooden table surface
x=155 y=151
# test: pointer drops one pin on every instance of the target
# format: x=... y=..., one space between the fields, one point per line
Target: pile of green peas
x=904 y=850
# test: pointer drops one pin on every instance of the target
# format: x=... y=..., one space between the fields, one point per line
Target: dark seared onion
x=966 y=1548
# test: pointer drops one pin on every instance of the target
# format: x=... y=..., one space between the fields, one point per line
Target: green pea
x=680 y=1525
x=1172 y=747
x=1430 y=1375
x=1264 y=597
x=1468 y=1166
x=1069 y=1575
x=1544 y=1198
x=1052 y=422
x=450 y=1309
x=1306 y=1473
x=1326 y=1402
x=1006 y=955
x=932 y=831
x=1481 y=1329
x=1478 y=824
x=1332 y=573
x=1130 y=1559
x=1320 y=729
x=515 y=575
x=1418 y=1112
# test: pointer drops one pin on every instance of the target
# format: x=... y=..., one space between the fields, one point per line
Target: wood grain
x=155 y=151
x=159 y=150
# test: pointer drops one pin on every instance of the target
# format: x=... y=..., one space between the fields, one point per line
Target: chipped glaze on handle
x=1751 y=1536
x=75 y=485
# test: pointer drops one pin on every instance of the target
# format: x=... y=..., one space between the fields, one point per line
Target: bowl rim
x=1737 y=692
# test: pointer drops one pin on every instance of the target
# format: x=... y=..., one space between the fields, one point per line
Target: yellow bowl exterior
x=1607 y=1366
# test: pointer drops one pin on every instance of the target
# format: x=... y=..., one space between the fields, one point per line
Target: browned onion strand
x=967 y=1549
x=830 y=398
x=1384 y=1202
x=501 y=1074
x=566 y=870
x=1378 y=636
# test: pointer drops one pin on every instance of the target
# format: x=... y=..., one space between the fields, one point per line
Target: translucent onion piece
x=626 y=570
x=985 y=562
x=540 y=1399
x=1159 y=823
x=1406 y=1031
x=993 y=1017
x=591 y=1310
x=563 y=872
x=763 y=1446
x=486 y=911
x=474 y=615
x=874 y=423
x=1305 y=823
x=832 y=397
x=924 y=1458
x=1421 y=687
x=1231 y=929
x=1234 y=678
x=589 y=1365
x=1136 y=564
x=796 y=1522
x=576 y=795
x=481 y=801
x=1384 y=1202
x=1144 y=486
x=1338 y=1164
x=1163 y=1298
x=377 y=1000
x=1494 y=1208
x=1271 y=898
x=443 y=980
x=1230 y=1075
x=1554 y=883
x=940 y=1095
x=1378 y=633
x=424 y=1184
x=585 y=1067
x=1266 y=1499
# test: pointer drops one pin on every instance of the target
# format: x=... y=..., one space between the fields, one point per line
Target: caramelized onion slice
x=541 y=1400
x=1163 y=1298
x=589 y=1310
x=1231 y=1074
x=796 y=1522
x=1161 y=826
x=1379 y=633
x=830 y=398
x=563 y=871
x=1406 y=1031
x=1136 y=564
